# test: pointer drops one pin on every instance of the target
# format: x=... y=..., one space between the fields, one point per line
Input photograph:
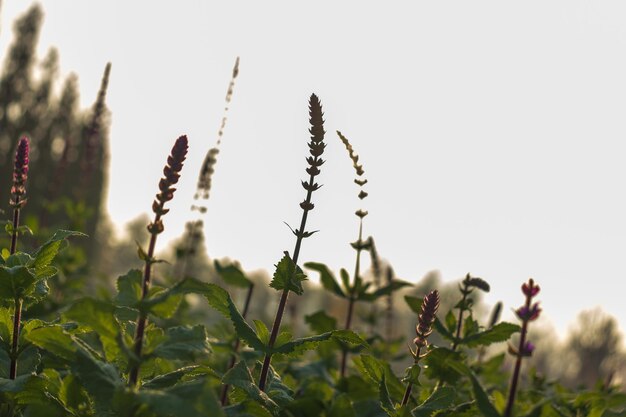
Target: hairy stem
x=143 y=317
x=17 y=318
x=236 y=345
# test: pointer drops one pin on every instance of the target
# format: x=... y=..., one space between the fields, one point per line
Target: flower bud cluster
x=316 y=149
x=20 y=173
x=171 y=174
x=426 y=319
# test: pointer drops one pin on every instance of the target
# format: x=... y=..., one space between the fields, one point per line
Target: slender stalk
x=283 y=298
x=233 y=359
x=526 y=314
x=351 y=301
x=316 y=149
x=143 y=318
x=20 y=174
x=171 y=174
x=459 y=323
x=409 y=387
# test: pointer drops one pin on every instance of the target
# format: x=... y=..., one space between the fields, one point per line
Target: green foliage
x=288 y=276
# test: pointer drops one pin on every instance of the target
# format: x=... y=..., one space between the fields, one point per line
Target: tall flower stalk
x=423 y=329
x=359 y=245
x=18 y=192
x=527 y=313
x=316 y=149
x=166 y=193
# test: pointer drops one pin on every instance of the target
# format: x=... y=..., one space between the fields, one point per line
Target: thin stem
x=16 y=336
x=518 y=364
x=143 y=317
x=459 y=324
x=236 y=345
x=17 y=318
x=357 y=271
x=409 y=387
x=283 y=298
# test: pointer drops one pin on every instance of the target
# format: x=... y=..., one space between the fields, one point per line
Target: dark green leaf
x=48 y=251
x=394 y=285
x=54 y=340
x=129 y=288
x=239 y=376
x=501 y=332
x=385 y=400
x=288 y=276
x=342 y=407
x=16 y=282
x=482 y=400
x=442 y=399
x=320 y=322
x=232 y=275
x=326 y=278
x=184 y=343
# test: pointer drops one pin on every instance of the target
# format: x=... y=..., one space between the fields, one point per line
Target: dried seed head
x=358 y=168
x=171 y=174
x=426 y=318
x=20 y=173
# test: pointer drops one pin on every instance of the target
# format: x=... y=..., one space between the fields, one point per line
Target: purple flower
x=528 y=314
x=527 y=349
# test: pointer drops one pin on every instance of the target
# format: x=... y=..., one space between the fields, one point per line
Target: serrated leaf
x=49 y=250
x=501 y=332
x=184 y=343
x=326 y=278
x=262 y=331
x=350 y=337
x=54 y=340
x=288 y=276
x=16 y=282
x=129 y=288
x=298 y=346
x=191 y=399
x=232 y=275
x=239 y=376
x=171 y=378
x=442 y=399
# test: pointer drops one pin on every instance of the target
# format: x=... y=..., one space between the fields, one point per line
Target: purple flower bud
x=527 y=349
x=20 y=171
x=530 y=289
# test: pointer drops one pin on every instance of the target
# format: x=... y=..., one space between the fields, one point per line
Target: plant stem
x=17 y=318
x=409 y=387
x=283 y=298
x=236 y=345
x=459 y=324
x=357 y=271
x=143 y=317
x=518 y=364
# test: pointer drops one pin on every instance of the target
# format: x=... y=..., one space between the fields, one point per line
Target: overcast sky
x=492 y=133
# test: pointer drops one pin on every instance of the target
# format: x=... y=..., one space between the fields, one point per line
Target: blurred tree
x=69 y=146
x=596 y=345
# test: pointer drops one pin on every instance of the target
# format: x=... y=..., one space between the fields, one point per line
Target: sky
x=492 y=133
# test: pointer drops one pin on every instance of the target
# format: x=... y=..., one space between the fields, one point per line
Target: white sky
x=492 y=133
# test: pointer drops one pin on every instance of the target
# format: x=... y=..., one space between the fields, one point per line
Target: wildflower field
x=161 y=341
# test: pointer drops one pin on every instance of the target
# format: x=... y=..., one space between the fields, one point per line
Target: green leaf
x=345 y=281
x=184 y=343
x=301 y=345
x=100 y=379
x=414 y=303
x=288 y=276
x=129 y=288
x=326 y=278
x=54 y=340
x=350 y=337
x=482 y=400
x=501 y=332
x=49 y=250
x=412 y=374
x=190 y=399
x=232 y=275
x=394 y=285
x=444 y=364
x=385 y=400
x=171 y=378
x=342 y=407
x=320 y=322
x=262 y=331
x=16 y=282
x=14 y=385
x=442 y=399
x=239 y=376
x=450 y=322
